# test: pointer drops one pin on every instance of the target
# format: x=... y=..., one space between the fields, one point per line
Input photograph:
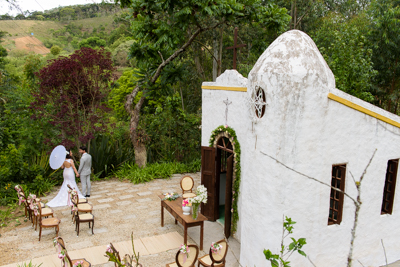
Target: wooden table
x=175 y=208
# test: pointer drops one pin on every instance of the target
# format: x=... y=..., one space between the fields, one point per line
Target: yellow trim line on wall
x=363 y=110
x=241 y=89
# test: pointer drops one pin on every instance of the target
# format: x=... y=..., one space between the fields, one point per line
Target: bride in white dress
x=69 y=178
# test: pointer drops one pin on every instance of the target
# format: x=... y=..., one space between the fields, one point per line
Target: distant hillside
x=38 y=36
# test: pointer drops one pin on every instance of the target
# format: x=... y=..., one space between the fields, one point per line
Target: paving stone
x=145 y=193
x=124 y=203
x=115 y=211
x=100 y=192
x=112 y=194
x=154 y=212
x=97 y=231
x=81 y=245
x=155 y=188
x=99 y=207
x=10 y=238
x=105 y=200
x=132 y=190
x=44 y=232
x=132 y=216
x=126 y=196
x=25 y=228
x=140 y=207
x=143 y=200
x=123 y=184
x=152 y=220
x=93 y=197
x=120 y=188
x=66 y=212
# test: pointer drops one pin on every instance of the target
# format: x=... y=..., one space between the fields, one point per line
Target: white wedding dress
x=62 y=197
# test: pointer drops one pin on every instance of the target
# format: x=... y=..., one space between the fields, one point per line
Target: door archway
x=222 y=157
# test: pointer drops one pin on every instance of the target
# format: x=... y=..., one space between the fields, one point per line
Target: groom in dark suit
x=85 y=169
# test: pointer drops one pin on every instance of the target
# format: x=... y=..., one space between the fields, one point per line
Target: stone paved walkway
x=120 y=208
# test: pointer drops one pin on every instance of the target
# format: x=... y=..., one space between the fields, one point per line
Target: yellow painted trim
x=363 y=110
x=241 y=89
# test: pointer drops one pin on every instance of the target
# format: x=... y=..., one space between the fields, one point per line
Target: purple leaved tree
x=72 y=92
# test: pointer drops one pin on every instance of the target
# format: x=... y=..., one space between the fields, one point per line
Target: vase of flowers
x=185 y=251
x=186 y=207
x=201 y=197
x=215 y=247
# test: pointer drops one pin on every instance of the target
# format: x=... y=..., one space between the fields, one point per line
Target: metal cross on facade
x=234 y=47
x=227 y=103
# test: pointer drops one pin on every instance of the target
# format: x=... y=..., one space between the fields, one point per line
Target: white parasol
x=57 y=157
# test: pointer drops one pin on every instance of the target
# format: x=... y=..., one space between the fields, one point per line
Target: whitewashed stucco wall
x=308 y=132
x=213 y=113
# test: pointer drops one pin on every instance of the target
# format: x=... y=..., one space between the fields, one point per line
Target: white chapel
x=263 y=135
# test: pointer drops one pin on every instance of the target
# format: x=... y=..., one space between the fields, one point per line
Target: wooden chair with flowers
x=45 y=223
x=22 y=198
x=65 y=259
x=82 y=218
x=113 y=255
x=46 y=212
x=187 y=184
x=81 y=200
x=186 y=256
x=80 y=207
x=216 y=256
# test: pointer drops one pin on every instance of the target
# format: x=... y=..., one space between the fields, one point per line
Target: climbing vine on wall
x=229 y=133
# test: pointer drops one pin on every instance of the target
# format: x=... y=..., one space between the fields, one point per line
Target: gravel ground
x=119 y=208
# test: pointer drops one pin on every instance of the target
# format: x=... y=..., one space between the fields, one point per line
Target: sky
x=41 y=5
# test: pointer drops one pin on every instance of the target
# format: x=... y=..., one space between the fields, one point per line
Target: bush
x=55 y=50
x=136 y=175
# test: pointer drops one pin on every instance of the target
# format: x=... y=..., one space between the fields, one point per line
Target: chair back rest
x=187 y=183
x=68 y=261
x=69 y=187
x=115 y=253
x=188 y=260
x=36 y=204
x=219 y=257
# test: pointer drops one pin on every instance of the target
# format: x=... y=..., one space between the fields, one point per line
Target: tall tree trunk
x=221 y=31
x=215 y=63
x=140 y=149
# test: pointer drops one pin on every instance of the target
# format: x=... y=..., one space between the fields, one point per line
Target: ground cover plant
x=136 y=175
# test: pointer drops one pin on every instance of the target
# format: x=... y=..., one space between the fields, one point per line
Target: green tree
x=92 y=42
x=165 y=30
x=385 y=40
x=344 y=45
x=55 y=50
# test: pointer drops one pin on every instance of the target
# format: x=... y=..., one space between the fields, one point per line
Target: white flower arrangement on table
x=215 y=247
x=170 y=196
x=201 y=195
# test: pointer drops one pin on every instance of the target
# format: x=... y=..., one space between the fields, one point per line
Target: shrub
x=152 y=171
x=55 y=50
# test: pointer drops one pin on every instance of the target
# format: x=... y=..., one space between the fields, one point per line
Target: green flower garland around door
x=229 y=133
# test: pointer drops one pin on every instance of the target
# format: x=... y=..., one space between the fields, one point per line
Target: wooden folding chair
x=66 y=261
x=215 y=259
x=187 y=184
x=186 y=261
x=47 y=223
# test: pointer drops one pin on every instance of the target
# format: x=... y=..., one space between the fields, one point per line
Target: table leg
x=201 y=235
x=162 y=215
x=185 y=235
